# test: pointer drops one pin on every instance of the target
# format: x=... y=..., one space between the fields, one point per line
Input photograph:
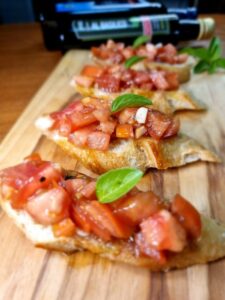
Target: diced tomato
x=81 y=119
x=159 y=80
x=157 y=123
x=181 y=58
x=147 y=86
x=33 y=157
x=142 y=247
x=72 y=107
x=163 y=232
x=98 y=52
x=80 y=136
x=102 y=114
x=49 y=207
x=98 y=140
x=127 y=115
x=74 y=186
x=151 y=51
x=140 y=131
x=127 y=75
x=63 y=125
x=102 y=221
x=142 y=77
x=80 y=218
x=136 y=208
x=108 y=83
x=128 y=52
x=84 y=81
x=88 y=191
x=107 y=127
x=124 y=131
x=64 y=228
x=187 y=215
x=172 y=129
x=92 y=71
x=43 y=176
x=117 y=58
x=172 y=80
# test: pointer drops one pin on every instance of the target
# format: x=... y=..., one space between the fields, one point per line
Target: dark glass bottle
x=76 y=32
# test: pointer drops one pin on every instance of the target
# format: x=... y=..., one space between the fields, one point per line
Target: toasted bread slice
x=140 y=153
x=164 y=101
x=209 y=247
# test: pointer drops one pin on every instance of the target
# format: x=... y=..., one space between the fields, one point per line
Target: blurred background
x=23 y=11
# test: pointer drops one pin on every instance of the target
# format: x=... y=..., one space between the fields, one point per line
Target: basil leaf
x=214 y=50
x=201 y=67
x=129 y=100
x=196 y=52
x=220 y=63
x=141 y=40
x=116 y=183
x=133 y=60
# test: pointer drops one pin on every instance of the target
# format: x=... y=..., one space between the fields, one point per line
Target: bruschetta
x=139 y=137
x=162 y=87
x=62 y=211
x=158 y=57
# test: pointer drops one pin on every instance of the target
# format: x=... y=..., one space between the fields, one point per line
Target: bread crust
x=209 y=247
x=140 y=153
x=164 y=101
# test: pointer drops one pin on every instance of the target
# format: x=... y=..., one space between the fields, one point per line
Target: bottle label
x=87 y=30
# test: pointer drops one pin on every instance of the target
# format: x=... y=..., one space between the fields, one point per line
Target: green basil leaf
x=116 y=183
x=133 y=60
x=141 y=40
x=201 y=67
x=201 y=53
x=129 y=100
x=220 y=63
x=215 y=49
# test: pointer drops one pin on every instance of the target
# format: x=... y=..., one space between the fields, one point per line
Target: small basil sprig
x=116 y=183
x=129 y=100
x=141 y=40
x=209 y=58
x=133 y=60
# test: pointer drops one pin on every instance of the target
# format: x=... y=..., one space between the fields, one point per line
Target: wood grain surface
x=30 y=273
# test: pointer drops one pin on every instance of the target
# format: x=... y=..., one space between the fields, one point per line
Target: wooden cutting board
x=30 y=273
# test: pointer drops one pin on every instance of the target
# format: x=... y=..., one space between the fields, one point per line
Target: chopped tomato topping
x=157 y=124
x=107 y=127
x=108 y=83
x=81 y=119
x=84 y=81
x=163 y=232
x=80 y=136
x=88 y=191
x=102 y=114
x=92 y=71
x=63 y=125
x=49 y=207
x=159 y=80
x=75 y=186
x=172 y=80
x=124 y=131
x=101 y=220
x=98 y=140
x=134 y=209
x=127 y=115
x=64 y=228
x=187 y=215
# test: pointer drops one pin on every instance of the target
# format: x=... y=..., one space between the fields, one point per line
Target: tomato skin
x=162 y=231
x=80 y=119
x=187 y=215
x=49 y=207
x=80 y=136
x=127 y=115
x=63 y=125
x=92 y=71
x=98 y=140
x=134 y=209
x=157 y=124
x=98 y=218
x=64 y=228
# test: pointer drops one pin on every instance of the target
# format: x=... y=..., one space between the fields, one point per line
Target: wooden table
x=44 y=275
